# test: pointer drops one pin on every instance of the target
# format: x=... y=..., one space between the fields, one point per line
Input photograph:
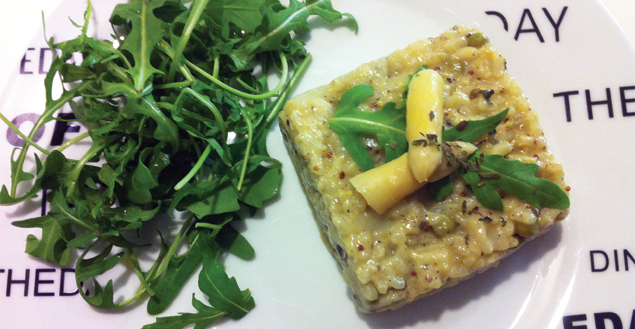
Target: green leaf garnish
x=469 y=131
x=52 y=246
x=179 y=270
x=516 y=178
x=441 y=188
x=147 y=30
x=223 y=292
x=350 y=123
x=224 y=295
x=486 y=194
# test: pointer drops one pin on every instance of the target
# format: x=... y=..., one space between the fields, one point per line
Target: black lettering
x=600 y=320
x=24 y=61
x=625 y=101
x=534 y=29
x=617 y=261
x=43 y=211
x=556 y=25
x=62 y=127
x=627 y=256
x=13 y=138
x=11 y=282
x=606 y=261
x=63 y=283
x=567 y=103
x=43 y=61
x=568 y=321
x=501 y=16
x=608 y=102
x=38 y=282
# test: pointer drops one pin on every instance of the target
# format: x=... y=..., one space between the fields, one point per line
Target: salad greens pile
x=178 y=108
x=487 y=174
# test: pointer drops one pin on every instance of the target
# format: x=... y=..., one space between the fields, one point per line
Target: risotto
x=419 y=245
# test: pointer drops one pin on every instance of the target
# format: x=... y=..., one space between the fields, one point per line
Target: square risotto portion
x=392 y=259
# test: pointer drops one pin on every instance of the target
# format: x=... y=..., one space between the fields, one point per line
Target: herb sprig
x=492 y=172
x=178 y=118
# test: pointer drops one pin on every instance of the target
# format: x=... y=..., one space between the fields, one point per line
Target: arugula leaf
x=441 y=188
x=46 y=178
x=388 y=125
x=404 y=96
x=67 y=214
x=103 y=297
x=140 y=184
x=52 y=246
x=205 y=317
x=221 y=198
x=16 y=170
x=89 y=268
x=223 y=292
x=99 y=264
x=263 y=178
x=519 y=179
x=179 y=270
x=469 y=131
x=278 y=22
x=146 y=30
x=165 y=129
x=235 y=15
x=486 y=194
x=229 y=238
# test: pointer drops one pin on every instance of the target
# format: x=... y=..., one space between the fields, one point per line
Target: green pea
x=477 y=40
x=442 y=225
x=527 y=229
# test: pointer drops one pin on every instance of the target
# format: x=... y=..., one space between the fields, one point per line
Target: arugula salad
x=177 y=107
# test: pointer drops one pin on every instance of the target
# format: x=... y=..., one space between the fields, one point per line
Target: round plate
x=579 y=76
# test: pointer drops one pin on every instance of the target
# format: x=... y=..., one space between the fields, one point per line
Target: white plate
x=549 y=283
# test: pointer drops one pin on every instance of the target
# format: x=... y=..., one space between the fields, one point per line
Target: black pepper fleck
x=486 y=219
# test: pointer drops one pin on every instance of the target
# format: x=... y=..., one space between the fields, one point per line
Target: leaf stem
x=194 y=169
x=137 y=269
x=210 y=105
x=279 y=103
x=117 y=71
x=250 y=137
x=174 y=246
x=197 y=9
x=246 y=85
x=22 y=135
x=167 y=49
x=274 y=91
x=76 y=139
x=216 y=68
x=174 y=85
x=44 y=118
x=94 y=149
x=76 y=220
x=209 y=226
x=87 y=14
